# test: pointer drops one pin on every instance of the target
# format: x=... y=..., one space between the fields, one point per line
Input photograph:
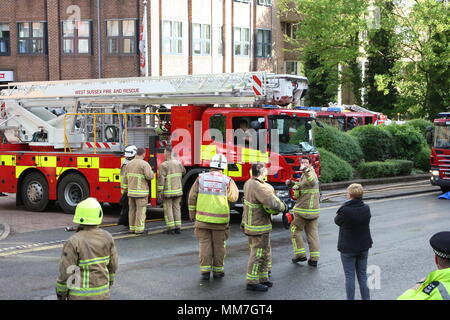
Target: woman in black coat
x=353 y=219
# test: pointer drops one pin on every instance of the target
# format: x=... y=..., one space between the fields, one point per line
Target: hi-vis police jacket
x=259 y=196
x=308 y=195
x=170 y=173
x=138 y=173
x=435 y=287
x=208 y=200
x=88 y=265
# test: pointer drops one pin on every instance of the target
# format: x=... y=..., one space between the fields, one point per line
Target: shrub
x=374 y=141
x=340 y=143
x=421 y=125
x=333 y=168
x=389 y=168
x=422 y=158
x=407 y=141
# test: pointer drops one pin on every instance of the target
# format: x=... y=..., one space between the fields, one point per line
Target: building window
x=243 y=1
x=172 y=37
x=32 y=37
x=265 y=3
x=292 y=67
x=76 y=37
x=121 y=37
x=4 y=39
x=241 y=41
x=263 y=43
x=290 y=29
x=201 y=39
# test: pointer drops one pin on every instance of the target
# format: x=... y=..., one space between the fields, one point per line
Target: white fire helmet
x=130 y=152
x=219 y=161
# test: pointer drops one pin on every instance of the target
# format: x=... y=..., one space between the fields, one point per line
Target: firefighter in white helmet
x=209 y=206
x=129 y=154
x=89 y=258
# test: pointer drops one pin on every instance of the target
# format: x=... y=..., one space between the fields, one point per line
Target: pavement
x=159 y=266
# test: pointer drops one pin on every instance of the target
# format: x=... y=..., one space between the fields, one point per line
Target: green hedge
x=421 y=125
x=340 y=143
x=407 y=141
x=422 y=158
x=333 y=168
x=375 y=142
x=388 y=168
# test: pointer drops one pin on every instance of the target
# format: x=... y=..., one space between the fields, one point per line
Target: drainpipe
x=99 y=40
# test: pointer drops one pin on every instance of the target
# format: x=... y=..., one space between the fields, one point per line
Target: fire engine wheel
x=445 y=189
x=35 y=192
x=72 y=190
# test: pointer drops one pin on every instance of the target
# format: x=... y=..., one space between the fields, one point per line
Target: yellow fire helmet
x=89 y=212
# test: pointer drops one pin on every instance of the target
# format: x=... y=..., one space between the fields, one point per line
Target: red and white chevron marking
x=100 y=145
x=257 y=85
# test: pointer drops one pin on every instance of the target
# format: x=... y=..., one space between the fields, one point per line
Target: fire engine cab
x=440 y=152
x=63 y=141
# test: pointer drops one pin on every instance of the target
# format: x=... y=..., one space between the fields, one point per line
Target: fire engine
x=347 y=117
x=63 y=141
x=440 y=152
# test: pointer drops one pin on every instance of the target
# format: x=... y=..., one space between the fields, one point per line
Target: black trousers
x=123 y=219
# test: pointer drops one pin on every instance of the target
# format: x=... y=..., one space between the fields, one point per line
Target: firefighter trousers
x=312 y=235
x=172 y=212
x=137 y=213
x=259 y=260
x=212 y=249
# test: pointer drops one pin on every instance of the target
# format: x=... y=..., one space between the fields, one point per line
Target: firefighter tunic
x=170 y=173
x=257 y=225
x=88 y=265
x=208 y=205
x=138 y=174
x=306 y=213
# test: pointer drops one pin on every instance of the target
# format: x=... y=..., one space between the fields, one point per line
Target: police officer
x=260 y=203
x=170 y=190
x=209 y=207
x=89 y=259
x=306 y=214
x=436 y=286
x=129 y=154
x=137 y=178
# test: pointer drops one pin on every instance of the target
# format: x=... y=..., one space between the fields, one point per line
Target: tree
x=330 y=33
x=422 y=74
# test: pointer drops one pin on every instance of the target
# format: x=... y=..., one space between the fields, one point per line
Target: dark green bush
x=388 y=168
x=422 y=159
x=333 y=168
x=340 y=143
x=407 y=141
x=375 y=142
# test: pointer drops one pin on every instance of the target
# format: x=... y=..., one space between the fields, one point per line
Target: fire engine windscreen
x=442 y=137
x=295 y=134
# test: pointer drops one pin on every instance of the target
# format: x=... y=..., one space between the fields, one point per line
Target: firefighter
x=436 y=286
x=260 y=203
x=170 y=190
x=129 y=154
x=137 y=178
x=209 y=208
x=306 y=213
x=89 y=259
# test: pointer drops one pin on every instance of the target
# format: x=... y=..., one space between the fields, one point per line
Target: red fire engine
x=440 y=152
x=346 y=117
x=63 y=141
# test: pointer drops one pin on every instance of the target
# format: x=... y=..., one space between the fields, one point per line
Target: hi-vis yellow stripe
x=109 y=175
x=153 y=188
x=252 y=156
x=88 y=162
x=46 y=161
x=20 y=169
x=237 y=173
x=8 y=160
x=208 y=151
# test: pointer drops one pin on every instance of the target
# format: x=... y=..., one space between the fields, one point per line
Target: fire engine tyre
x=35 y=192
x=72 y=190
x=445 y=189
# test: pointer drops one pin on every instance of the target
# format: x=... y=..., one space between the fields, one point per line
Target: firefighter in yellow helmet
x=170 y=190
x=260 y=203
x=138 y=174
x=436 y=286
x=209 y=207
x=89 y=259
